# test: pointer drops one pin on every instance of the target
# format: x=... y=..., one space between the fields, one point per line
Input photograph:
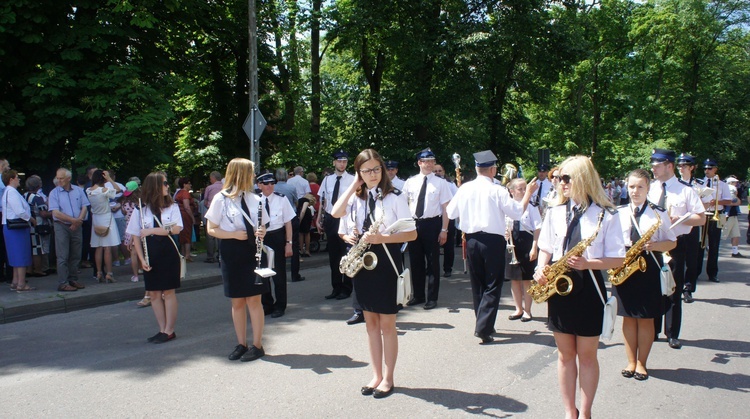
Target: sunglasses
x=374 y=170
x=563 y=178
x=709 y=168
x=166 y=183
x=266 y=183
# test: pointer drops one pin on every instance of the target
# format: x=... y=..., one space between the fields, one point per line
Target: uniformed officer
x=331 y=188
x=678 y=199
x=481 y=207
x=686 y=165
x=545 y=185
x=713 y=227
x=391 y=167
x=428 y=196
x=449 y=247
x=279 y=238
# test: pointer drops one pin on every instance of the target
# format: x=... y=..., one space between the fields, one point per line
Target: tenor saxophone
x=358 y=256
x=560 y=283
x=633 y=259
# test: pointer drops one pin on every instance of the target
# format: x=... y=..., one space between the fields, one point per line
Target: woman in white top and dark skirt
x=161 y=260
x=227 y=221
x=639 y=298
x=576 y=319
x=369 y=200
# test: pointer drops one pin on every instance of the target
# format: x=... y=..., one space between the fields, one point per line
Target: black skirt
x=640 y=295
x=524 y=270
x=376 y=289
x=237 y=269
x=165 y=264
x=581 y=312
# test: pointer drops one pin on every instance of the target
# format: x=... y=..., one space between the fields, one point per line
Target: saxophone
x=560 y=283
x=633 y=259
x=358 y=256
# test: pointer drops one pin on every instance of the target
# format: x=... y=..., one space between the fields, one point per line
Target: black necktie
x=538 y=192
x=369 y=214
x=335 y=195
x=573 y=235
x=663 y=197
x=637 y=212
x=516 y=229
x=420 y=200
x=248 y=227
x=708 y=183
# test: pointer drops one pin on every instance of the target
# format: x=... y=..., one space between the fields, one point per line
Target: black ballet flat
x=640 y=377
x=515 y=316
x=628 y=373
x=380 y=394
x=367 y=391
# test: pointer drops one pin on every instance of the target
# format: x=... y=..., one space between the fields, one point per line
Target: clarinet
x=259 y=244
x=143 y=239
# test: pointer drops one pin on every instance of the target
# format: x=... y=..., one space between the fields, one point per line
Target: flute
x=259 y=244
x=143 y=239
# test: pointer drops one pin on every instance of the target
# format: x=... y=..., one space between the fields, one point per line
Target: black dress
x=640 y=295
x=524 y=270
x=305 y=221
x=581 y=312
x=376 y=289
x=164 y=261
x=237 y=268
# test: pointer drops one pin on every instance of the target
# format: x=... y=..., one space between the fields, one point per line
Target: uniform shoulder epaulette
x=611 y=210
x=396 y=191
x=656 y=207
x=279 y=194
x=683 y=182
x=699 y=181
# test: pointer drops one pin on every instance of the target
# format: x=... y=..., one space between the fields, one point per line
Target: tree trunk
x=315 y=58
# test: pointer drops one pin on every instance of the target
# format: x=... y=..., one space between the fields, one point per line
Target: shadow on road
x=708 y=379
x=317 y=363
x=473 y=403
x=728 y=302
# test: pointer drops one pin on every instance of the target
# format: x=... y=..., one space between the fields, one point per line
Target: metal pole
x=253 y=75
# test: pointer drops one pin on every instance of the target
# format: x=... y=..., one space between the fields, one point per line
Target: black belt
x=427 y=218
x=481 y=233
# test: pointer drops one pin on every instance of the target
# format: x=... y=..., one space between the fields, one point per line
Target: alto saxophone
x=560 y=283
x=358 y=256
x=633 y=259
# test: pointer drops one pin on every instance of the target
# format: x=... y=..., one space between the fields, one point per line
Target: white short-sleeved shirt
x=531 y=219
x=281 y=211
x=645 y=222
x=608 y=243
x=325 y=192
x=724 y=194
x=14 y=205
x=226 y=212
x=481 y=206
x=398 y=183
x=436 y=194
x=170 y=215
x=681 y=199
x=301 y=185
x=392 y=207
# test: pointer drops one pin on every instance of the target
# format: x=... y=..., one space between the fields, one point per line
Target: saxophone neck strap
x=387 y=252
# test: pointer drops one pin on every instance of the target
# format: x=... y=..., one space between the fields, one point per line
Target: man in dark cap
x=714 y=204
x=331 y=188
x=391 y=166
x=481 y=207
x=428 y=196
x=678 y=199
x=686 y=165
x=544 y=186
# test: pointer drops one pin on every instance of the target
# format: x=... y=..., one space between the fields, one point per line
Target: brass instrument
x=560 y=283
x=715 y=217
x=509 y=173
x=143 y=239
x=456 y=158
x=511 y=245
x=358 y=256
x=633 y=259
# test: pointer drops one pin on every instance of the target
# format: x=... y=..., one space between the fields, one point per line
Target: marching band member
x=686 y=166
x=711 y=168
x=639 y=298
x=576 y=319
x=481 y=207
x=372 y=200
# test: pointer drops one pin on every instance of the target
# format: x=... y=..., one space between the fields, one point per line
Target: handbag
x=16 y=223
x=43 y=229
x=102 y=231
x=403 y=283
x=183 y=262
x=610 y=311
x=668 y=285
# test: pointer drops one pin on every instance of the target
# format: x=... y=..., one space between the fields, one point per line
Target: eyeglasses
x=374 y=170
x=166 y=183
x=563 y=178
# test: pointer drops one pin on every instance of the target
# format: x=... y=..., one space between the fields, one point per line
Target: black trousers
x=424 y=259
x=295 y=248
x=340 y=283
x=449 y=248
x=276 y=240
x=712 y=243
x=673 y=315
x=692 y=259
x=486 y=271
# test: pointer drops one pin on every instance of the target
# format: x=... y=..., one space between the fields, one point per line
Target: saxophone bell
x=369 y=260
x=563 y=286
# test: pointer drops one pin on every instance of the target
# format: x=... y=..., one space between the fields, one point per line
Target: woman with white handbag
x=368 y=207
x=639 y=297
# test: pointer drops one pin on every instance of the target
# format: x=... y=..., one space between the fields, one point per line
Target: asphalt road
x=96 y=362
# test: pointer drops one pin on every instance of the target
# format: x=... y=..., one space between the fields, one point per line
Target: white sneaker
x=116 y=263
x=134 y=278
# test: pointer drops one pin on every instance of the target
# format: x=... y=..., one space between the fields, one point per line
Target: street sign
x=259 y=124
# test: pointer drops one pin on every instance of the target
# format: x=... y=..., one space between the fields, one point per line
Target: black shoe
x=342 y=296
x=627 y=373
x=356 y=318
x=163 y=337
x=156 y=336
x=277 y=313
x=527 y=319
x=252 y=354
x=237 y=352
x=737 y=255
x=687 y=296
x=515 y=316
x=430 y=305
x=367 y=391
x=640 y=376
x=298 y=279
x=379 y=394
x=675 y=343
x=447 y=274
x=713 y=279
x=485 y=338
x=415 y=301
x=331 y=296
